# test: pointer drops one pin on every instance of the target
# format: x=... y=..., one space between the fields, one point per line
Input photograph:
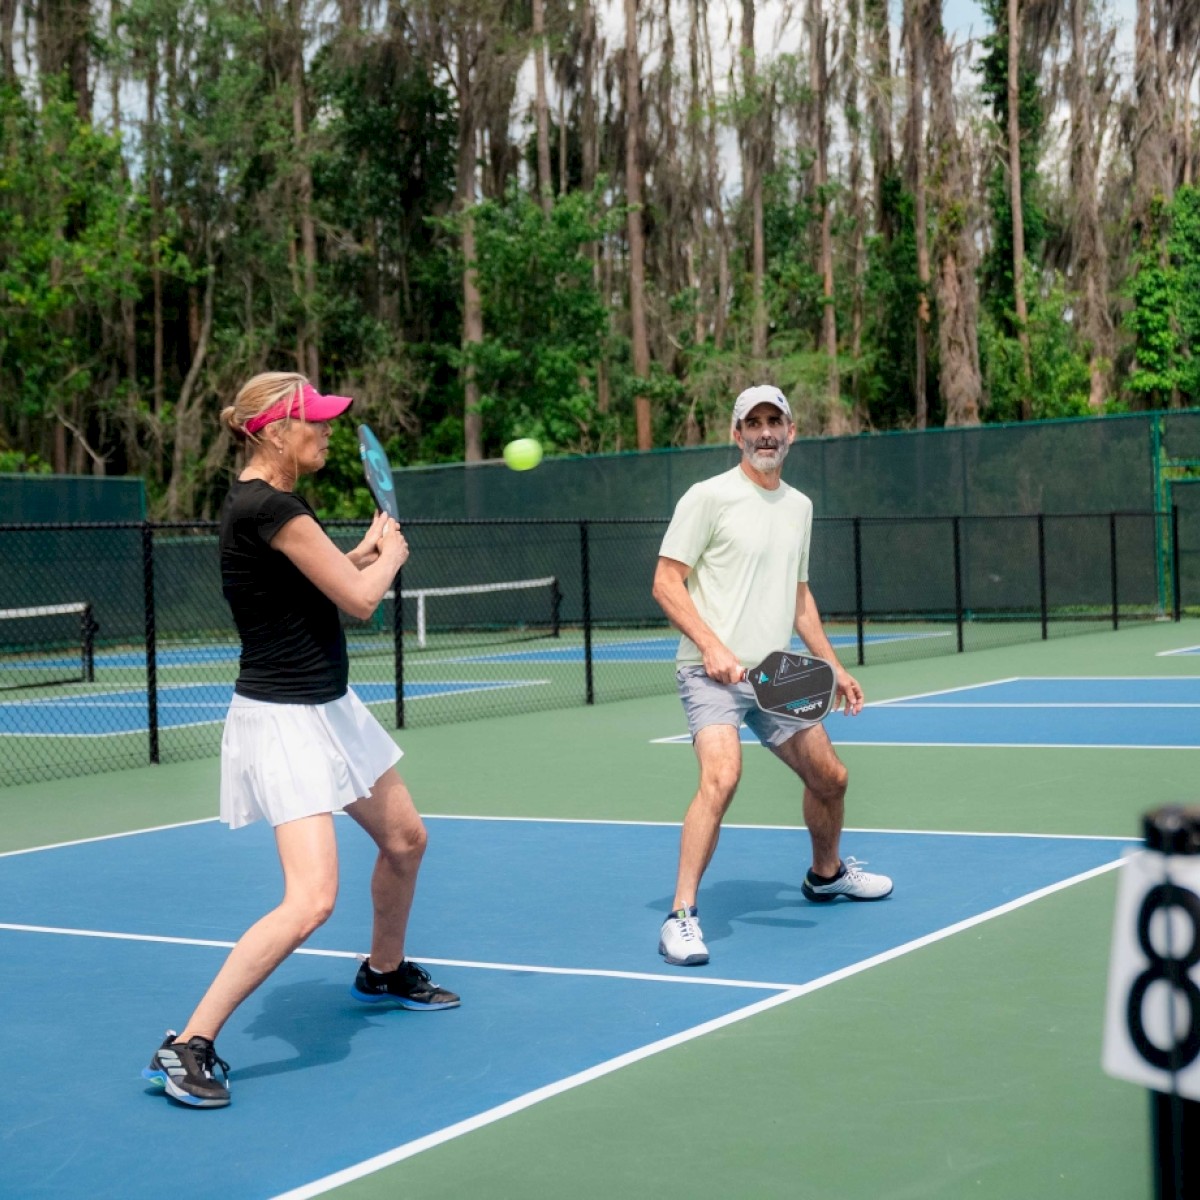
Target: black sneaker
x=185 y=1070
x=408 y=986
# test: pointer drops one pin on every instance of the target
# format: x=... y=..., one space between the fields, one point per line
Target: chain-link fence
x=117 y=647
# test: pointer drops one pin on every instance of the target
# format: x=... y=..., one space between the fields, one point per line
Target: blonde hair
x=256 y=396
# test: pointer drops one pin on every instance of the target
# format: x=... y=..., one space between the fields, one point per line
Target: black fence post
x=1112 y=562
x=151 y=638
x=398 y=645
x=956 y=523
x=1041 y=530
x=1176 y=583
x=858 y=590
x=585 y=583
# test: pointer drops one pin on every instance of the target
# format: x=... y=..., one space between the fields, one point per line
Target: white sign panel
x=1152 y=1023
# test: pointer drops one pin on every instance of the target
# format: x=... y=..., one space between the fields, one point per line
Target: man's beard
x=772 y=460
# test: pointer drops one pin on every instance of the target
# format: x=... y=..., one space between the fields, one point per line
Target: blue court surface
x=1118 y=713
x=181 y=704
x=661 y=649
x=105 y=943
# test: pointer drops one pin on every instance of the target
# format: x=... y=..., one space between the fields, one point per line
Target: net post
x=555 y=608
x=858 y=591
x=89 y=644
x=585 y=583
x=1172 y=836
x=398 y=646
x=1112 y=566
x=1176 y=585
x=151 y=635
x=421 y=619
x=956 y=526
x=1041 y=539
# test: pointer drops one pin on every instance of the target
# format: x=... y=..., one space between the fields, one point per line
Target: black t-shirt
x=293 y=646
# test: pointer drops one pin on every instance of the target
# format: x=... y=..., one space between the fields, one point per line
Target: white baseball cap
x=762 y=393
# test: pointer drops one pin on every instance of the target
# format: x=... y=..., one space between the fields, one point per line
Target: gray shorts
x=708 y=702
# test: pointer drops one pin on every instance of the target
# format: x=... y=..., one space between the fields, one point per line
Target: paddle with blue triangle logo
x=798 y=686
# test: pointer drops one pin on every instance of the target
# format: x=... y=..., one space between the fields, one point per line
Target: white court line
x=470 y=964
x=682 y=739
x=1181 y=650
x=950 y=691
x=107 y=837
x=1084 y=837
x=409 y=1149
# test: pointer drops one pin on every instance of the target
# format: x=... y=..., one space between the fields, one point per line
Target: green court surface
x=966 y=1067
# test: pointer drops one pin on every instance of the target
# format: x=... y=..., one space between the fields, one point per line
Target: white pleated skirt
x=281 y=762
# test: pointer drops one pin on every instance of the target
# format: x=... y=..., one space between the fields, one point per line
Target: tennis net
x=464 y=614
x=47 y=644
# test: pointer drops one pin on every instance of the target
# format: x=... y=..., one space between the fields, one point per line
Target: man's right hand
x=721 y=664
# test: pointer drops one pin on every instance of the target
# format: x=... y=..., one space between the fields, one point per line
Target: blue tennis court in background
x=662 y=649
x=181 y=704
x=1124 y=713
x=321 y=1083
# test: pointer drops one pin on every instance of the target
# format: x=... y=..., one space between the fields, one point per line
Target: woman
x=298 y=744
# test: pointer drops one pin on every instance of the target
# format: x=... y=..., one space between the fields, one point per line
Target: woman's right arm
x=356 y=592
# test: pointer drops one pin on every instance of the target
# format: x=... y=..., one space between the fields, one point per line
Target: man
x=732 y=577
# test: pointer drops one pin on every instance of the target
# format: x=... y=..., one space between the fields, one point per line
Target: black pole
x=1174 y=1119
x=858 y=590
x=1041 y=530
x=555 y=608
x=956 y=524
x=151 y=638
x=89 y=644
x=1176 y=585
x=585 y=583
x=1112 y=562
x=398 y=646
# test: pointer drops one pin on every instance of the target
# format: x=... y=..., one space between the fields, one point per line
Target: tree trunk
x=309 y=348
x=837 y=421
x=959 y=379
x=752 y=135
x=915 y=12
x=541 y=107
x=8 y=19
x=634 y=226
x=1018 y=219
x=879 y=106
x=714 y=199
x=1089 y=253
x=464 y=203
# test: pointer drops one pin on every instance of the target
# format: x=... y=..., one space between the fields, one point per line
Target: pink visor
x=307 y=404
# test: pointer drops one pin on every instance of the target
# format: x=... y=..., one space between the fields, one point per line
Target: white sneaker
x=852 y=882
x=681 y=941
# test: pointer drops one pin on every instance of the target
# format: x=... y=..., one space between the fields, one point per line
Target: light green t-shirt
x=747 y=548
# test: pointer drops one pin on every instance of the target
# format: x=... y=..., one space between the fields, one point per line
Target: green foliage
x=892 y=293
x=1061 y=382
x=14 y=462
x=1185 y=258
x=68 y=247
x=544 y=322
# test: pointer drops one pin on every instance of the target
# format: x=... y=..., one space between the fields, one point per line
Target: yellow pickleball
x=523 y=454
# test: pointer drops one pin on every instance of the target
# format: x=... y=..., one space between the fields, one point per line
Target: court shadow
x=748 y=902
x=318 y=1019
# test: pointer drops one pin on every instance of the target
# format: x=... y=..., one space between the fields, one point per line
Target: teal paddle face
x=378 y=471
x=797 y=686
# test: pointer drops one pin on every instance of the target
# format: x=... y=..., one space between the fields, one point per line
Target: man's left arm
x=809 y=626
